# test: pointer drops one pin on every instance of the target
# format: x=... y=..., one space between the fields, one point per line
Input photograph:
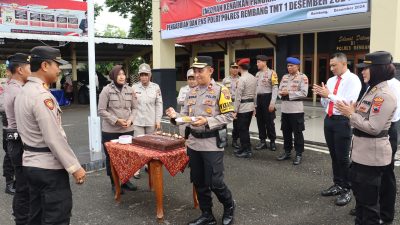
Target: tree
x=140 y=10
x=97 y=10
x=113 y=31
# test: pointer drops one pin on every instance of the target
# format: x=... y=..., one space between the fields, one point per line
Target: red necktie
x=330 y=108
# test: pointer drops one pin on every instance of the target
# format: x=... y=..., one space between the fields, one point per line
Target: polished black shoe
x=235 y=144
x=272 y=146
x=284 y=156
x=352 y=212
x=344 y=198
x=244 y=154
x=10 y=188
x=227 y=217
x=297 y=160
x=129 y=186
x=206 y=218
x=381 y=222
x=331 y=191
x=261 y=145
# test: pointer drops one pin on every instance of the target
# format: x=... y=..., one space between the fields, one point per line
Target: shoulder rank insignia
x=49 y=103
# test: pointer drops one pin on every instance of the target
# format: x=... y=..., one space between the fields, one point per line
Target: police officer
x=8 y=169
x=47 y=157
x=267 y=92
x=19 y=65
x=371 y=119
x=292 y=90
x=244 y=107
x=117 y=108
x=231 y=82
x=150 y=105
x=212 y=108
x=191 y=83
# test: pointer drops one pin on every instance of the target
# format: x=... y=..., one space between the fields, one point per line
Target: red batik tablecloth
x=127 y=159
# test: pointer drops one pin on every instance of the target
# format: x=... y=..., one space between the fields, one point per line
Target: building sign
x=66 y=17
x=181 y=18
x=353 y=43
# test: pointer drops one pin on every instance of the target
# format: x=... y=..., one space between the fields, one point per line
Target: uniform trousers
x=338 y=133
x=265 y=119
x=235 y=130
x=293 y=123
x=387 y=195
x=21 y=198
x=8 y=169
x=366 y=185
x=243 y=123
x=50 y=196
x=106 y=137
x=207 y=175
x=142 y=130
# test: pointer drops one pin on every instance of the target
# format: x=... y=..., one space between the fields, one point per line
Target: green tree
x=97 y=10
x=140 y=10
x=113 y=31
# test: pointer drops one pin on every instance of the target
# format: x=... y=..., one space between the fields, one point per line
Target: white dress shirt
x=348 y=90
x=394 y=86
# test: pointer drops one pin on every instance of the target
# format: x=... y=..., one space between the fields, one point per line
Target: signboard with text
x=50 y=17
x=181 y=18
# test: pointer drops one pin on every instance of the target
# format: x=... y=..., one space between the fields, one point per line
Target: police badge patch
x=49 y=103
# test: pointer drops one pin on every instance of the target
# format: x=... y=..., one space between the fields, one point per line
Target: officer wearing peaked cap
x=47 y=157
x=19 y=65
x=211 y=105
x=372 y=154
x=267 y=92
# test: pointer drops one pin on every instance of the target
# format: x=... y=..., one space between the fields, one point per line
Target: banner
x=50 y=17
x=181 y=18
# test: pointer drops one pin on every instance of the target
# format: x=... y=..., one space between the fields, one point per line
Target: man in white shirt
x=343 y=86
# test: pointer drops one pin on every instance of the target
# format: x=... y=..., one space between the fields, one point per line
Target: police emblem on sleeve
x=49 y=103
x=377 y=104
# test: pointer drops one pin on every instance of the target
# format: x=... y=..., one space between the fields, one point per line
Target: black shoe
x=297 y=160
x=344 y=198
x=113 y=190
x=261 y=145
x=206 y=218
x=352 y=212
x=129 y=186
x=333 y=190
x=381 y=222
x=227 y=217
x=244 y=154
x=10 y=188
x=235 y=144
x=272 y=146
x=284 y=156
x=237 y=151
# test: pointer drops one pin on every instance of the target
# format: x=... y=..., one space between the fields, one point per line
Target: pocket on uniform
x=114 y=101
x=300 y=124
x=128 y=100
x=57 y=206
x=217 y=176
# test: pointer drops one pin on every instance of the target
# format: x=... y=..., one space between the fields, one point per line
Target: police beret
x=376 y=58
x=202 y=61
x=293 y=60
x=190 y=73
x=48 y=53
x=144 y=68
x=19 y=58
x=262 y=57
x=244 y=61
x=234 y=64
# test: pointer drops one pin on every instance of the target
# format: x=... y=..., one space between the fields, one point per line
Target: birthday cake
x=159 y=142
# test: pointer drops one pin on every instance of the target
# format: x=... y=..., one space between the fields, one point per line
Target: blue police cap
x=293 y=60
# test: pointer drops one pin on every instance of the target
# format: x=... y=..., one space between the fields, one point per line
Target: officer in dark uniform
x=267 y=92
x=211 y=105
x=19 y=65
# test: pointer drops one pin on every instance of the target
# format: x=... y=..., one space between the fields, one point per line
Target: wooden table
x=127 y=159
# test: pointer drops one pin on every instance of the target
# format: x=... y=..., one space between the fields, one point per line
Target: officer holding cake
x=211 y=107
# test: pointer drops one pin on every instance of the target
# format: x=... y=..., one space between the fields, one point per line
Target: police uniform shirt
x=373 y=114
x=394 y=86
x=348 y=90
x=214 y=103
x=297 y=86
x=11 y=91
x=245 y=90
x=150 y=104
x=231 y=83
x=115 y=104
x=38 y=116
x=2 y=88
x=182 y=94
x=267 y=82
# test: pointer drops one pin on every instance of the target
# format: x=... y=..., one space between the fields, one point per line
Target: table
x=59 y=95
x=127 y=159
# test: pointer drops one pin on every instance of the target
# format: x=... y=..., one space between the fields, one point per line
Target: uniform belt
x=360 y=133
x=337 y=117
x=247 y=100
x=206 y=134
x=34 y=149
x=264 y=94
x=286 y=98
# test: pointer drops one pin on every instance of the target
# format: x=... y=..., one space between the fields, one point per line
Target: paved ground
x=267 y=192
